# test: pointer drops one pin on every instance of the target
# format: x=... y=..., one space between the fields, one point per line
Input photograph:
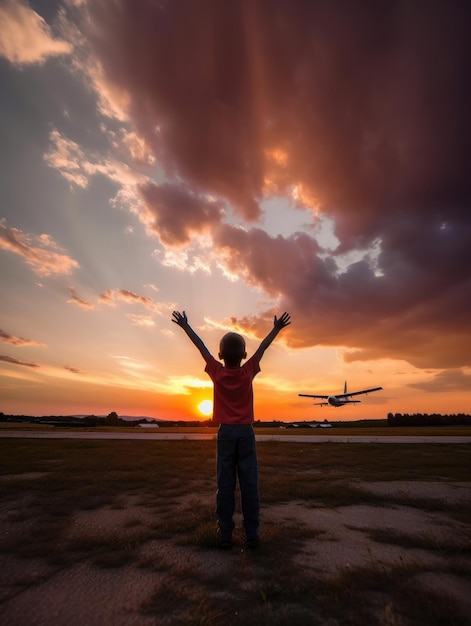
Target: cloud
x=68 y=157
x=138 y=150
x=111 y=295
x=176 y=213
x=74 y=370
x=382 y=315
x=341 y=100
x=452 y=380
x=13 y=361
x=361 y=116
x=77 y=166
x=19 y=341
x=25 y=38
x=271 y=263
x=73 y=298
x=185 y=385
x=130 y=364
x=40 y=252
x=141 y=320
x=191 y=259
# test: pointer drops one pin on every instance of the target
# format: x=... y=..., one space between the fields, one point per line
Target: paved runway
x=314 y=438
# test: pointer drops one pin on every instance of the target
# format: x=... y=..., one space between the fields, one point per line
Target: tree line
x=426 y=419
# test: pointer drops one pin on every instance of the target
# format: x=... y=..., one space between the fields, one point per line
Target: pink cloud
x=78 y=167
x=141 y=320
x=40 y=252
x=79 y=301
x=175 y=213
x=19 y=341
x=111 y=295
x=68 y=157
x=271 y=263
x=25 y=37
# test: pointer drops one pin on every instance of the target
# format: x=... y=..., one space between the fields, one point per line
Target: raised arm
x=182 y=321
x=278 y=324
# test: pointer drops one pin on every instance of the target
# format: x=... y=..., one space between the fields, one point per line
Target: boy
x=233 y=411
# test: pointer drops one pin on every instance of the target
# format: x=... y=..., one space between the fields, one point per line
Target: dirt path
x=316 y=565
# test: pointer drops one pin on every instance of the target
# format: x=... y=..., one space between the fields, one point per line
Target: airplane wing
x=356 y=393
x=308 y=395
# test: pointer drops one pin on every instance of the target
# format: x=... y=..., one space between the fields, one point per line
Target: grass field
x=337 y=430
x=411 y=431
x=146 y=509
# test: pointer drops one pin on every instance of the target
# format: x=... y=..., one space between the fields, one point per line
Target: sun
x=206 y=407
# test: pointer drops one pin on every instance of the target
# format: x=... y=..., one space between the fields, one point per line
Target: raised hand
x=180 y=319
x=282 y=321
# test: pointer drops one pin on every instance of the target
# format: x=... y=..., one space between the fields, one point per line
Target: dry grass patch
x=144 y=510
x=449 y=546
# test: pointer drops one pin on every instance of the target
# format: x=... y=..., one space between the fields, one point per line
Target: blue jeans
x=237 y=457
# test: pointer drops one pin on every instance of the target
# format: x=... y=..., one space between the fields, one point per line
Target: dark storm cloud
x=277 y=264
x=367 y=104
x=450 y=380
x=175 y=213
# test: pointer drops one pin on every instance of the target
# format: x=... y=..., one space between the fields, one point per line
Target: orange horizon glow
x=268 y=405
x=134 y=389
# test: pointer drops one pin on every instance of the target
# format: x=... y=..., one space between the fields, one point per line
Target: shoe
x=252 y=544
x=225 y=544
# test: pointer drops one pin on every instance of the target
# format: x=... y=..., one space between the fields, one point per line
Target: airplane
x=340 y=399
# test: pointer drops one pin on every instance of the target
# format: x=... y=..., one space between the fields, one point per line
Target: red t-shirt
x=233 y=391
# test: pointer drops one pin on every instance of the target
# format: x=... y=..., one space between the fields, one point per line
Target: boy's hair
x=232 y=348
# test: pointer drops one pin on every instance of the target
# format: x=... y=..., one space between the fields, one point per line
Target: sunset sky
x=235 y=160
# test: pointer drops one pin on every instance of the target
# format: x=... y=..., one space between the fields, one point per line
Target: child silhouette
x=233 y=411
